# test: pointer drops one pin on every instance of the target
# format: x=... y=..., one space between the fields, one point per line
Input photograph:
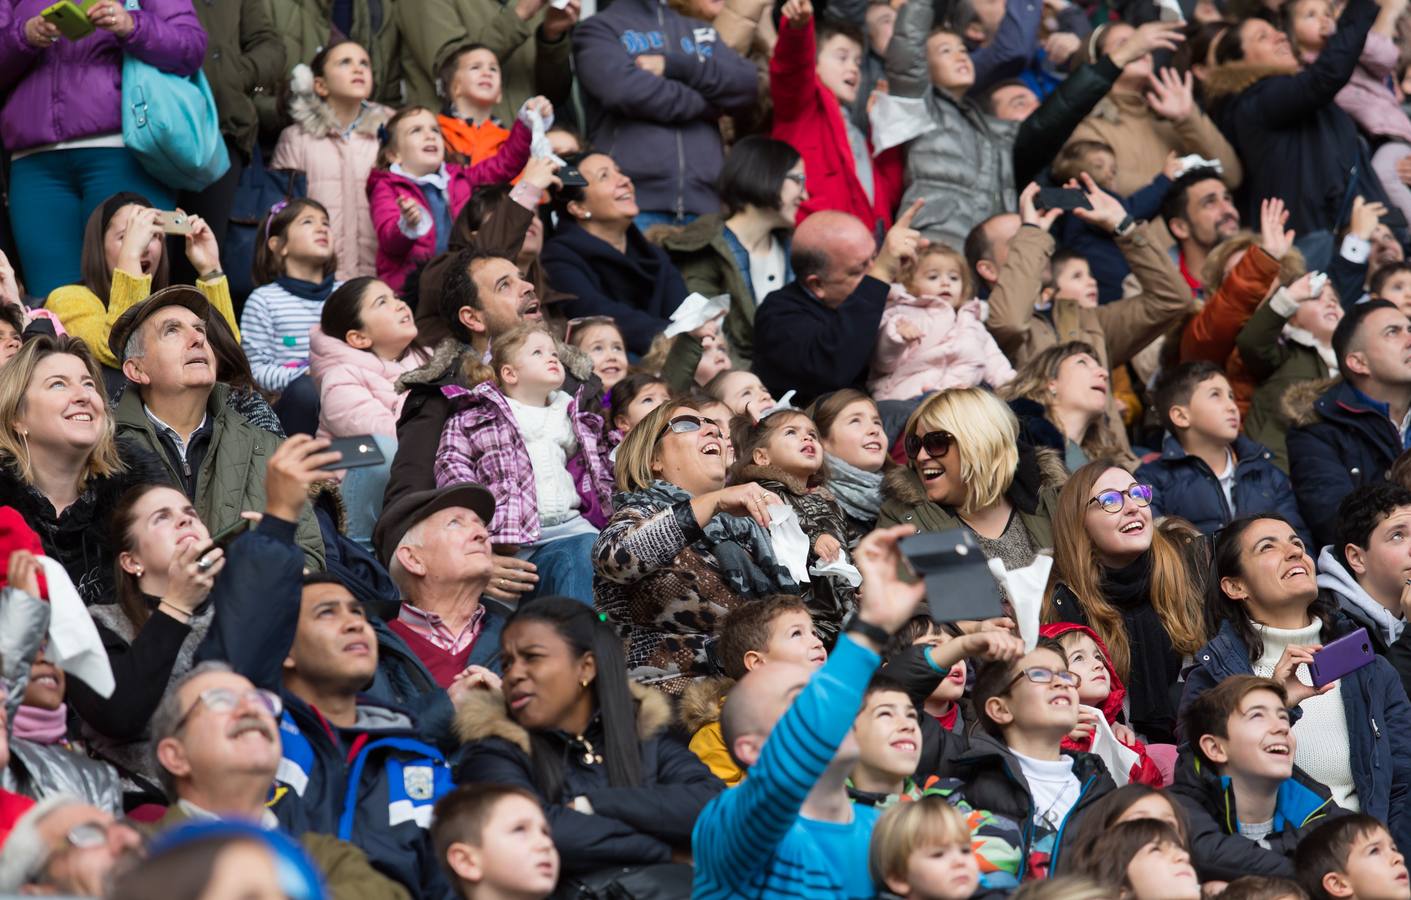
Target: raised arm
x=907 y=72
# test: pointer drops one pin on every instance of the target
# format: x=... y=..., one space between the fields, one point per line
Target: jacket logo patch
x=638 y=42
x=419 y=781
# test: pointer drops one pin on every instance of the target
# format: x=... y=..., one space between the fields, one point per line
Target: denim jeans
x=645 y=220
x=362 y=493
x=565 y=568
x=51 y=196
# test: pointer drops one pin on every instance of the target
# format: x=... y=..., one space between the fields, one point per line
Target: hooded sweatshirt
x=1144 y=770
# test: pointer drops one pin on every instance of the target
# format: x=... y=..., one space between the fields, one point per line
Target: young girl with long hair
x=1134 y=584
x=539 y=452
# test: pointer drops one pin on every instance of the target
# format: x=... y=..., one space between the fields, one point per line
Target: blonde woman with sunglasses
x=681 y=549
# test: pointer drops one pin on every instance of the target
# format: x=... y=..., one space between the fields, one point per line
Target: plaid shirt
x=481 y=443
x=433 y=628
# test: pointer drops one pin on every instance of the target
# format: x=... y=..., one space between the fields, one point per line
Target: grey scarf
x=859 y=492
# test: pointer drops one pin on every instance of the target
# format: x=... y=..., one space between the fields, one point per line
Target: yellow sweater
x=709 y=744
x=85 y=316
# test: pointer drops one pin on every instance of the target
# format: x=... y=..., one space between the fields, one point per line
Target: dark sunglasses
x=1113 y=501
x=685 y=424
x=937 y=444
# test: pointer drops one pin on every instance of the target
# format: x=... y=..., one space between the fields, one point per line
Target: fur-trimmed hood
x=901 y=483
x=315 y=116
x=452 y=359
x=483 y=714
x=1231 y=79
x=701 y=702
x=1297 y=403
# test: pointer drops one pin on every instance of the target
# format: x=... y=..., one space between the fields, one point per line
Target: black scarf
x=306 y=290
x=1130 y=586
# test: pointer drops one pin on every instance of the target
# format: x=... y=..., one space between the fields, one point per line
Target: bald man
x=815 y=334
x=789 y=828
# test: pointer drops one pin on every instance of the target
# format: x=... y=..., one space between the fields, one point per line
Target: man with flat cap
x=176 y=408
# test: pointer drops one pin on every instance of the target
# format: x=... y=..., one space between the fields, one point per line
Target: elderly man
x=218 y=747
x=821 y=326
x=66 y=847
x=175 y=408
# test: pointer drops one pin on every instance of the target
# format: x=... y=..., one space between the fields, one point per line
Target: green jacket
x=704 y=258
x=244 y=59
x=529 y=64
x=232 y=476
x=306 y=26
x=1034 y=493
x=1277 y=364
x=345 y=869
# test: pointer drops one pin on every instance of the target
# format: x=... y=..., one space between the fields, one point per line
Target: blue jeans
x=565 y=568
x=362 y=493
x=51 y=197
x=645 y=220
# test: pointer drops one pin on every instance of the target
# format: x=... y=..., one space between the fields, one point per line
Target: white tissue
x=74 y=645
x=1025 y=588
x=838 y=568
x=539 y=146
x=1118 y=757
x=783 y=403
x=695 y=311
x=790 y=543
x=896 y=120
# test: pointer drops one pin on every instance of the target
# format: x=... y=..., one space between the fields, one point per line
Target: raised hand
x=1274 y=240
x=1149 y=37
x=797 y=12
x=1107 y=212
x=558 y=21
x=885 y=600
x=900 y=246
x=1029 y=211
x=297 y=464
x=1172 y=95
x=201 y=249
x=1366 y=216
x=9 y=284
x=141 y=228
x=1286 y=673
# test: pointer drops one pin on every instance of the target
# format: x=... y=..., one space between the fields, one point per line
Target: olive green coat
x=1278 y=364
x=703 y=257
x=244 y=60
x=232 y=476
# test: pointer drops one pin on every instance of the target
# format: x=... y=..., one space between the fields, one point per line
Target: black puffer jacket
x=629 y=826
x=79 y=538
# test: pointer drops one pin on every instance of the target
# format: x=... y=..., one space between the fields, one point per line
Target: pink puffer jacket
x=955 y=349
x=357 y=390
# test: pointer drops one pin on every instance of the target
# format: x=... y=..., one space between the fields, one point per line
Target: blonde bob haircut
x=986 y=438
x=15 y=379
x=927 y=822
x=638 y=450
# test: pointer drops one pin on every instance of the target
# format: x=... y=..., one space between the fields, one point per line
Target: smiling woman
x=681 y=546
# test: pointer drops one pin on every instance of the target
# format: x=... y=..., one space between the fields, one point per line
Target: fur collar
x=792 y=483
x=1305 y=338
x=701 y=702
x=313 y=115
x=1298 y=401
x=482 y=714
x=901 y=483
x=444 y=360
x=1234 y=78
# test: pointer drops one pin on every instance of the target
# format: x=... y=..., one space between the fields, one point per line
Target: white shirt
x=1053 y=785
x=767 y=271
x=1227 y=482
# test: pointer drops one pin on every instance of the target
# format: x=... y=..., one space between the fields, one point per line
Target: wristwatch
x=1127 y=224
x=875 y=633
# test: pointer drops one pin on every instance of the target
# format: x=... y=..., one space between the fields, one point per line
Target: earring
x=139 y=572
x=584 y=682
x=587 y=215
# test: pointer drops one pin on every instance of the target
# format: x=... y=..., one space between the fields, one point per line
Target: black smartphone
x=959 y=583
x=571 y=177
x=1066 y=199
x=358 y=452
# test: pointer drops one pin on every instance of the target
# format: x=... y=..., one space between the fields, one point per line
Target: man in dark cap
x=176 y=408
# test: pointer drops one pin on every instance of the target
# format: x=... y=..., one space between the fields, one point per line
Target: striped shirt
x=435 y=631
x=750 y=841
x=274 y=331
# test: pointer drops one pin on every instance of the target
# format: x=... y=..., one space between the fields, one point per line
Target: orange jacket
x=475 y=142
x=1211 y=334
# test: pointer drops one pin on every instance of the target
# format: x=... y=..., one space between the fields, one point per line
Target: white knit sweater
x=548 y=436
x=1321 y=734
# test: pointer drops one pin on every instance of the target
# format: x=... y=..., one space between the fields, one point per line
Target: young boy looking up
x=1247 y=803
x=1393 y=284
x=470 y=83
x=1352 y=858
x=1209 y=472
x=813 y=80
x=777 y=628
x=888 y=746
x=494 y=842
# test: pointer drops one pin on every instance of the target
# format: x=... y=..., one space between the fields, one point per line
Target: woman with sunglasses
x=682 y=549
x=1134 y=584
x=1354 y=735
x=967 y=469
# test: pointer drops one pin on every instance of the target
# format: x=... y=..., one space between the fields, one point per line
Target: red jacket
x=12 y=806
x=1211 y=335
x=808 y=116
x=397 y=254
x=1144 y=771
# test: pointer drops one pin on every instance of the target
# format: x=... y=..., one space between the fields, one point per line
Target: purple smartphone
x=1342 y=657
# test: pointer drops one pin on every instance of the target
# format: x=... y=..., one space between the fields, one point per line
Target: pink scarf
x=41 y=726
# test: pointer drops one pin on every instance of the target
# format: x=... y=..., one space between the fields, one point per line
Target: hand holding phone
x=1342 y=657
x=69 y=18
x=358 y=452
x=1066 y=199
x=174 y=222
x=959 y=584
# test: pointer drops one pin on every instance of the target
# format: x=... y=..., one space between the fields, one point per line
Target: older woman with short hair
x=682 y=549
x=968 y=470
x=59 y=461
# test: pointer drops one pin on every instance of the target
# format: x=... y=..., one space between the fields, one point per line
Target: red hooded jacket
x=1144 y=771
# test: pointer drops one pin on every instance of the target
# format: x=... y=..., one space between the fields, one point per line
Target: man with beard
x=218 y=748
x=1200 y=212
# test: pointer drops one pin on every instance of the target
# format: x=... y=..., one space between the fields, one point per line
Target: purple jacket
x=481 y=443
x=74 y=89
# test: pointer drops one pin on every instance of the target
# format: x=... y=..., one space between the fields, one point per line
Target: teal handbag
x=170 y=124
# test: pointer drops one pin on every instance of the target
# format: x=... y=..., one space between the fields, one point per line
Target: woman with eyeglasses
x=1354 y=735
x=1133 y=583
x=600 y=258
x=682 y=549
x=967 y=469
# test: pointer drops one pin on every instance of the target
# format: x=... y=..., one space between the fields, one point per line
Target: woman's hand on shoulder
x=747 y=500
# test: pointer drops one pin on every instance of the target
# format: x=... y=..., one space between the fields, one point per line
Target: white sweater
x=1321 y=734
x=548 y=436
